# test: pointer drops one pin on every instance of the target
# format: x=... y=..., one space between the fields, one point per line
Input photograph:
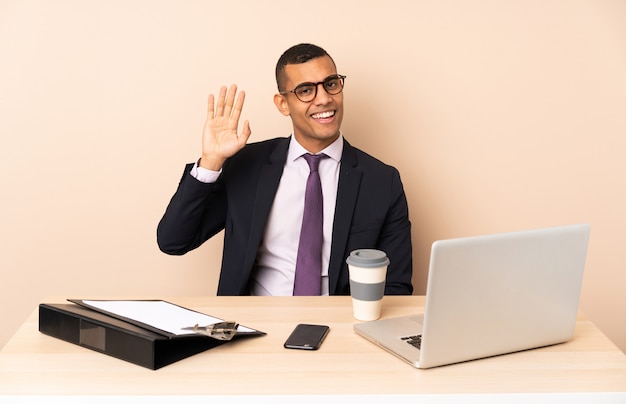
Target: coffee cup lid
x=368 y=258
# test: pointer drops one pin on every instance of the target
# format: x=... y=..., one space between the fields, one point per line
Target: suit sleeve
x=196 y=212
x=395 y=240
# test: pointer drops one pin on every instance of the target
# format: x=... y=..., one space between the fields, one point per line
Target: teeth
x=323 y=115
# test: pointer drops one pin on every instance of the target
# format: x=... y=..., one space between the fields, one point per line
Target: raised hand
x=220 y=137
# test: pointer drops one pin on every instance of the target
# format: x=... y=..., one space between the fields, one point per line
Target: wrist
x=210 y=163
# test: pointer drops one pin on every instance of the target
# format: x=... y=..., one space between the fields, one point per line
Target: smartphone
x=307 y=336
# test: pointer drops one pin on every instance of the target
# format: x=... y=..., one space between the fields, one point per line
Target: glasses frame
x=341 y=78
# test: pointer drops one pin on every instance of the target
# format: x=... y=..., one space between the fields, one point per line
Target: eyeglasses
x=306 y=92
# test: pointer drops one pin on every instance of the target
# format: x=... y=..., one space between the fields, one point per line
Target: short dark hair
x=297 y=54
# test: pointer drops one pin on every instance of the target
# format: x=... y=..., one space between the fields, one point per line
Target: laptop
x=491 y=295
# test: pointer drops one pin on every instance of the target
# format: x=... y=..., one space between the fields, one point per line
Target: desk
x=346 y=364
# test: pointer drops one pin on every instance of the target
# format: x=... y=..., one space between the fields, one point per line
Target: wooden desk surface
x=33 y=363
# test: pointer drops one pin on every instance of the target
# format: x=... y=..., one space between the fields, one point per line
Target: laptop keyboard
x=414 y=340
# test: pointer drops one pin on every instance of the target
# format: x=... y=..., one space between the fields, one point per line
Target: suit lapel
x=347 y=191
x=267 y=184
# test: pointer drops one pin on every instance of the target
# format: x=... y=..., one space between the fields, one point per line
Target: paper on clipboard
x=156 y=314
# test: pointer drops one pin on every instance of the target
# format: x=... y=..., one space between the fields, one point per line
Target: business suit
x=371 y=212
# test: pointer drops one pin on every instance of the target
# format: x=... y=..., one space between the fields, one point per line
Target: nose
x=322 y=97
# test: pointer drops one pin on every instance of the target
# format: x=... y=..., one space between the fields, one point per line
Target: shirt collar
x=333 y=150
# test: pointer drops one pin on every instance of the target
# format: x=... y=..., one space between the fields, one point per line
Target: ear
x=281 y=103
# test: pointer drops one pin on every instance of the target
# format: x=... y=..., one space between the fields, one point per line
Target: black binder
x=120 y=339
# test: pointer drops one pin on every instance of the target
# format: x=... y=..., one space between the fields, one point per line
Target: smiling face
x=316 y=124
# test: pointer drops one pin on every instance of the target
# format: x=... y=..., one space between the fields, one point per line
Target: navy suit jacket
x=371 y=212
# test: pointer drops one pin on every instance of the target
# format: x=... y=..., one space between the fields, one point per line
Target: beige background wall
x=500 y=115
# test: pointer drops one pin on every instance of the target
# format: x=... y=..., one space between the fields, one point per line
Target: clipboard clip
x=224 y=331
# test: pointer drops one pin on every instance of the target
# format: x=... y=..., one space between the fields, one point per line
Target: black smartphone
x=307 y=336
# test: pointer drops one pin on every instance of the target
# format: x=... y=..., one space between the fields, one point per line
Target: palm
x=221 y=136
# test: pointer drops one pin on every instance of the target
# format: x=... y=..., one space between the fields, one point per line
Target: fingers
x=230 y=99
x=238 y=106
x=226 y=103
x=226 y=113
x=246 y=132
x=210 y=108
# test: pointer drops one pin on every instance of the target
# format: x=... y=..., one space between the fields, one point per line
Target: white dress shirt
x=276 y=257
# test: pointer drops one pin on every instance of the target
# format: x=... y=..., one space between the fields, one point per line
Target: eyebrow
x=319 y=82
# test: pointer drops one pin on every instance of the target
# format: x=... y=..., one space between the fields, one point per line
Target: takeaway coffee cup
x=368 y=269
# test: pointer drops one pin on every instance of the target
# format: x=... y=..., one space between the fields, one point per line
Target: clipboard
x=131 y=340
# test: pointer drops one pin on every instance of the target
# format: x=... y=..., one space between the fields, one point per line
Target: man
x=256 y=191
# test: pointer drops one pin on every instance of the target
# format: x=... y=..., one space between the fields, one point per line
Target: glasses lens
x=305 y=92
x=333 y=85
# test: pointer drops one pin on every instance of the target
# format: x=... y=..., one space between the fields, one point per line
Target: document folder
x=120 y=339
